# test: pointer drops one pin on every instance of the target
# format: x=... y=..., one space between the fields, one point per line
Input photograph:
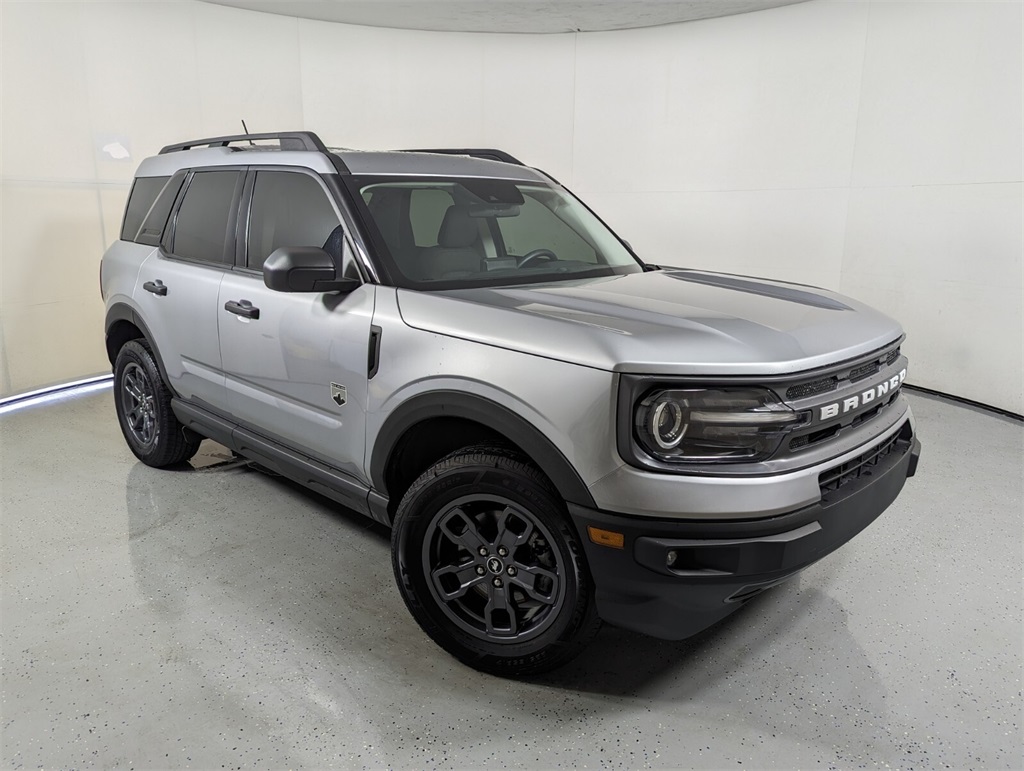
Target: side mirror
x=304 y=269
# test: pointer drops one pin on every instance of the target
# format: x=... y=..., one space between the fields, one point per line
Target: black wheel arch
x=123 y=324
x=492 y=420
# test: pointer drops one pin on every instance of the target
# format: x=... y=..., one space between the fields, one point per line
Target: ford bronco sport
x=451 y=343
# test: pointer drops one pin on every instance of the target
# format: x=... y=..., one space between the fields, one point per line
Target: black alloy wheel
x=490 y=566
x=137 y=405
x=143 y=404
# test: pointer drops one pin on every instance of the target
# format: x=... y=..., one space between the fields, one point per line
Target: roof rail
x=289 y=140
x=480 y=152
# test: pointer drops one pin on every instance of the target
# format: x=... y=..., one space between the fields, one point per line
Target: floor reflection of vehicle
x=168 y=525
x=223 y=620
x=226 y=553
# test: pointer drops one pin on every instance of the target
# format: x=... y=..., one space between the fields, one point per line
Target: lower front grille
x=864 y=464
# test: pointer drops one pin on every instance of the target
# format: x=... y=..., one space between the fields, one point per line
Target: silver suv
x=451 y=343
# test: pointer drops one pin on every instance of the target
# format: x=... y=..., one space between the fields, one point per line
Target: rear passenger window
x=201 y=227
x=143 y=194
x=290 y=209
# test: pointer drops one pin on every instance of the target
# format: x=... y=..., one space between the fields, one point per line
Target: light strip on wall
x=55 y=393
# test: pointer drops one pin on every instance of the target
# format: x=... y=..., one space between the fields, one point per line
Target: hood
x=670 y=321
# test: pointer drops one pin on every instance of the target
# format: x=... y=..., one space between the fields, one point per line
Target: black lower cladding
x=674 y=578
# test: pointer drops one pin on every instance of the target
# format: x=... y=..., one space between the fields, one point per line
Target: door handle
x=156 y=287
x=242 y=308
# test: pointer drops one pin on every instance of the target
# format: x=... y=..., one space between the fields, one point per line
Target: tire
x=143 y=404
x=490 y=566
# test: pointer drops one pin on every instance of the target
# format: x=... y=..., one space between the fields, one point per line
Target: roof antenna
x=246 y=129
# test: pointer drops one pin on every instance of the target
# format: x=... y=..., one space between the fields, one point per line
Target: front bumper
x=719 y=564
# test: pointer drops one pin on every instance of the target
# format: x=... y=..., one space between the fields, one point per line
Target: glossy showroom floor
x=218 y=616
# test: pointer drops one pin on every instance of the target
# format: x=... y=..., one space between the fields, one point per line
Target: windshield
x=443 y=233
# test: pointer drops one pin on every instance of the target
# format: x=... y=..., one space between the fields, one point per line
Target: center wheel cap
x=495 y=565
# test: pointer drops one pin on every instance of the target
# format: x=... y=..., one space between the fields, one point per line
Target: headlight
x=713 y=425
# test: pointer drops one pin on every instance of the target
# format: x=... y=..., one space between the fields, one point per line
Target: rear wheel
x=143 y=404
x=490 y=566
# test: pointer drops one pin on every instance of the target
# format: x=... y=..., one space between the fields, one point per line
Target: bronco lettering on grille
x=864 y=397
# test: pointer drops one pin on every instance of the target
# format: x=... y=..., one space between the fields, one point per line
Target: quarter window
x=152 y=230
x=201 y=227
x=144 y=193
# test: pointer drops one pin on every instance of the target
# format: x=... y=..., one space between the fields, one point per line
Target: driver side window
x=290 y=208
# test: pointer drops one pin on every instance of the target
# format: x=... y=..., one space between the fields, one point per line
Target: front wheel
x=490 y=566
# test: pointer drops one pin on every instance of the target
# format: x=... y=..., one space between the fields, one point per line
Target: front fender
x=488 y=413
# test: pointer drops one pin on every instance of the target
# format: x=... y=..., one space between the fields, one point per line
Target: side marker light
x=606 y=537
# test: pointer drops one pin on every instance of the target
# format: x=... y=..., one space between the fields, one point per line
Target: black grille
x=863 y=371
x=855 y=468
x=822 y=386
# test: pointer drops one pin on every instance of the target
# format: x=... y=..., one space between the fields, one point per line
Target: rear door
x=296 y=363
x=179 y=283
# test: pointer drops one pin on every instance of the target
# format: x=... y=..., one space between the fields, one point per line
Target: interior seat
x=459 y=250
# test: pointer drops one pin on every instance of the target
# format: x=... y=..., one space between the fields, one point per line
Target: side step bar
x=319 y=477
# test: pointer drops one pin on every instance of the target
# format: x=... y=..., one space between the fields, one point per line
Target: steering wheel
x=536 y=254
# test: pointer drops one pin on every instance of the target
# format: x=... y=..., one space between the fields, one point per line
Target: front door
x=295 y=364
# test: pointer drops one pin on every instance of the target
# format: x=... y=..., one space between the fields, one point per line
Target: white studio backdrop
x=872 y=147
